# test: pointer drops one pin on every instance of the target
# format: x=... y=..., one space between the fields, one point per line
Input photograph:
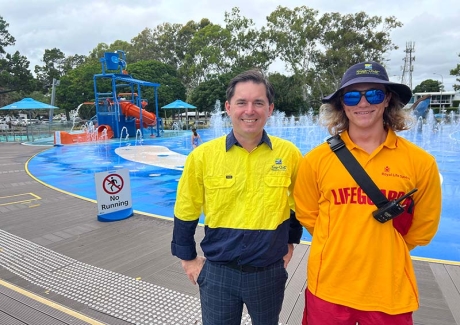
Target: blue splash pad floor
x=72 y=168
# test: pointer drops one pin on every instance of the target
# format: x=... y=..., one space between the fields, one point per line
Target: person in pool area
x=359 y=269
x=196 y=139
x=242 y=183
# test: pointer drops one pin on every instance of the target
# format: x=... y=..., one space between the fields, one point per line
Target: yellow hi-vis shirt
x=355 y=260
x=245 y=198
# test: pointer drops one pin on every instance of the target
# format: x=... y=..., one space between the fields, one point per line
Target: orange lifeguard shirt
x=355 y=260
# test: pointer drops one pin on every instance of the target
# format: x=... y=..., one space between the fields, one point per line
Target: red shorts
x=320 y=312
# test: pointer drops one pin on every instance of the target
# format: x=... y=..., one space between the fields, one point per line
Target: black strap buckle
x=335 y=142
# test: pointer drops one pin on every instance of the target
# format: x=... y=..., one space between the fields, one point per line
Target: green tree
x=349 y=39
x=294 y=34
x=6 y=39
x=53 y=67
x=15 y=73
x=167 y=43
x=77 y=86
x=215 y=50
x=57 y=65
x=317 y=50
x=143 y=47
x=171 y=87
x=15 y=76
x=206 y=56
x=73 y=61
x=173 y=41
x=201 y=50
x=248 y=47
x=99 y=51
x=288 y=94
x=456 y=72
x=429 y=85
x=205 y=95
x=184 y=37
x=16 y=80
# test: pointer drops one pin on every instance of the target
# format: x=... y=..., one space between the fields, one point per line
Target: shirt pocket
x=275 y=196
x=277 y=181
x=219 y=194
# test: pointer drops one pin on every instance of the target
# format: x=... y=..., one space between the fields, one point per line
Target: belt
x=249 y=268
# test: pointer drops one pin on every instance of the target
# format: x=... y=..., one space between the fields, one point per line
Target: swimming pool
x=154 y=172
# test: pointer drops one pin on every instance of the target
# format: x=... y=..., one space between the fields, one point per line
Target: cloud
x=76 y=27
x=436 y=46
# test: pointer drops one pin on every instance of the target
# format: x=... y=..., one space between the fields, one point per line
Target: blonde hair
x=333 y=117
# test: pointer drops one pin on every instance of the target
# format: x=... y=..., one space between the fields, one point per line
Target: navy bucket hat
x=370 y=72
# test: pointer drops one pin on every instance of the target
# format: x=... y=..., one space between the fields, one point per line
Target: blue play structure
x=421 y=108
x=118 y=99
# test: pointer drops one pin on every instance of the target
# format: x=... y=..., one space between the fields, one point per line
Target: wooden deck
x=47 y=237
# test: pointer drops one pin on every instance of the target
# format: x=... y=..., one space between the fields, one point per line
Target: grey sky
x=76 y=27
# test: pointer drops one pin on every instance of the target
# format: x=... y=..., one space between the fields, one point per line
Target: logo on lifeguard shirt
x=388 y=173
x=278 y=166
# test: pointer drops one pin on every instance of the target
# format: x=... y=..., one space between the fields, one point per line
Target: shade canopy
x=27 y=103
x=178 y=104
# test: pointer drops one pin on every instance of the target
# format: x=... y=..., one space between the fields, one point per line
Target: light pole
x=53 y=96
x=440 y=88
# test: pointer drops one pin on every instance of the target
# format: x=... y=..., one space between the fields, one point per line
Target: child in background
x=195 y=138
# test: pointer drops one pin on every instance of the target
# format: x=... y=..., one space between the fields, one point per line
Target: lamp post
x=53 y=96
x=440 y=88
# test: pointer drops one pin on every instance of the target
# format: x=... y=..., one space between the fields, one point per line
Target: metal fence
x=33 y=132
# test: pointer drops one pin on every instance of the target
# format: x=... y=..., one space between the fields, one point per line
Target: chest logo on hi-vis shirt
x=113 y=195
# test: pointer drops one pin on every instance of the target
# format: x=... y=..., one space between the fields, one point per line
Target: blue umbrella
x=178 y=104
x=27 y=104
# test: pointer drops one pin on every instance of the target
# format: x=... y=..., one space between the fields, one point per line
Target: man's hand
x=288 y=256
x=193 y=268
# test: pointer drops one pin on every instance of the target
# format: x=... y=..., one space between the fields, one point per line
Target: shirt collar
x=390 y=142
x=231 y=140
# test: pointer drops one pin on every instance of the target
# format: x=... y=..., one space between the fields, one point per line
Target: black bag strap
x=356 y=170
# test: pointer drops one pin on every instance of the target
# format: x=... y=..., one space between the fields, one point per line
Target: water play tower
x=119 y=105
x=118 y=98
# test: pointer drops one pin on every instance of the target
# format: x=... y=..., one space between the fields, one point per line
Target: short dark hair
x=255 y=76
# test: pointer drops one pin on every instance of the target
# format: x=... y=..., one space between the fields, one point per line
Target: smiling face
x=249 y=109
x=366 y=116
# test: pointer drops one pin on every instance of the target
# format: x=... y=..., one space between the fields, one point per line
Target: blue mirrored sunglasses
x=373 y=96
